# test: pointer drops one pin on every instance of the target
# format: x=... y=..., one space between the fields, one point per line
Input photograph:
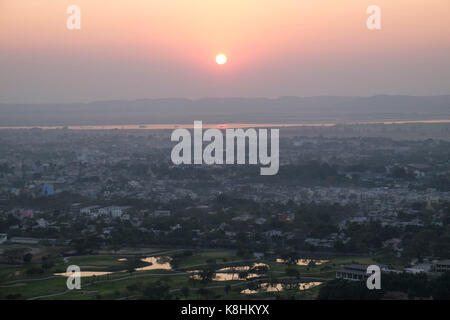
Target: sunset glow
x=221 y=58
x=292 y=149
x=135 y=48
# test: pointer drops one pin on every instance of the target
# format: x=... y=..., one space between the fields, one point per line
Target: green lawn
x=115 y=285
x=96 y=260
x=201 y=258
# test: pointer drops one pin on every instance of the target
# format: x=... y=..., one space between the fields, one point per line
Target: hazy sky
x=131 y=49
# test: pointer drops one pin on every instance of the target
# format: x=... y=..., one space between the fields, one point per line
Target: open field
x=17 y=283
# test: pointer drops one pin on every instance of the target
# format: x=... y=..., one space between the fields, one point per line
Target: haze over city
x=221 y=150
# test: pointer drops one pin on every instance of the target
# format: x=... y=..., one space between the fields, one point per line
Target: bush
x=34 y=271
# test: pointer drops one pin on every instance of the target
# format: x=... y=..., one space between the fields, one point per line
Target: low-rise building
x=89 y=210
x=442 y=266
x=354 y=272
x=114 y=211
x=23 y=240
x=161 y=213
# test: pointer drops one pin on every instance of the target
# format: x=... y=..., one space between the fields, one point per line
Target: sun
x=221 y=58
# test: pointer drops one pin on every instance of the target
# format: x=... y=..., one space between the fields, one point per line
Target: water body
x=233 y=273
x=226 y=276
x=266 y=287
x=155 y=263
x=84 y=274
x=217 y=126
x=305 y=262
x=243 y=268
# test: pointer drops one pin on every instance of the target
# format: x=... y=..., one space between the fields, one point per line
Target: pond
x=84 y=274
x=266 y=287
x=305 y=262
x=233 y=273
x=224 y=276
x=155 y=263
x=244 y=268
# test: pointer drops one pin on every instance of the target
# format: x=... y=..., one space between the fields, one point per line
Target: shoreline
x=218 y=126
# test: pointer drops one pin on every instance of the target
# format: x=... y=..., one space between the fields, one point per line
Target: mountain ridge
x=285 y=109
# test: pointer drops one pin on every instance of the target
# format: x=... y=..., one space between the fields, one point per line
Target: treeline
x=402 y=286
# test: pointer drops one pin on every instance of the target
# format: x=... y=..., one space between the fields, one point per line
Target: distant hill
x=321 y=109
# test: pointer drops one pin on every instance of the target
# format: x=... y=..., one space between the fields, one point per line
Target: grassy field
x=16 y=283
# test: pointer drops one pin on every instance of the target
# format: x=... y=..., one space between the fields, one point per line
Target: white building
x=91 y=210
x=113 y=211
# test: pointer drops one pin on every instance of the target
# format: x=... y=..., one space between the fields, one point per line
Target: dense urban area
x=112 y=202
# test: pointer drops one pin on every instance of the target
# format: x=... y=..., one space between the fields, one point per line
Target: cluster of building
x=111 y=211
x=378 y=177
x=358 y=272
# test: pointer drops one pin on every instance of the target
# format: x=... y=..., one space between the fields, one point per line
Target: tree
x=14 y=255
x=207 y=274
x=132 y=264
x=227 y=289
x=185 y=291
x=34 y=271
x=243 y=275
x=442 y=287
x=272 y=281
x=157 y=291
x=115 y=247
x=348 y=290
x=27 y=258
x=47 y=262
